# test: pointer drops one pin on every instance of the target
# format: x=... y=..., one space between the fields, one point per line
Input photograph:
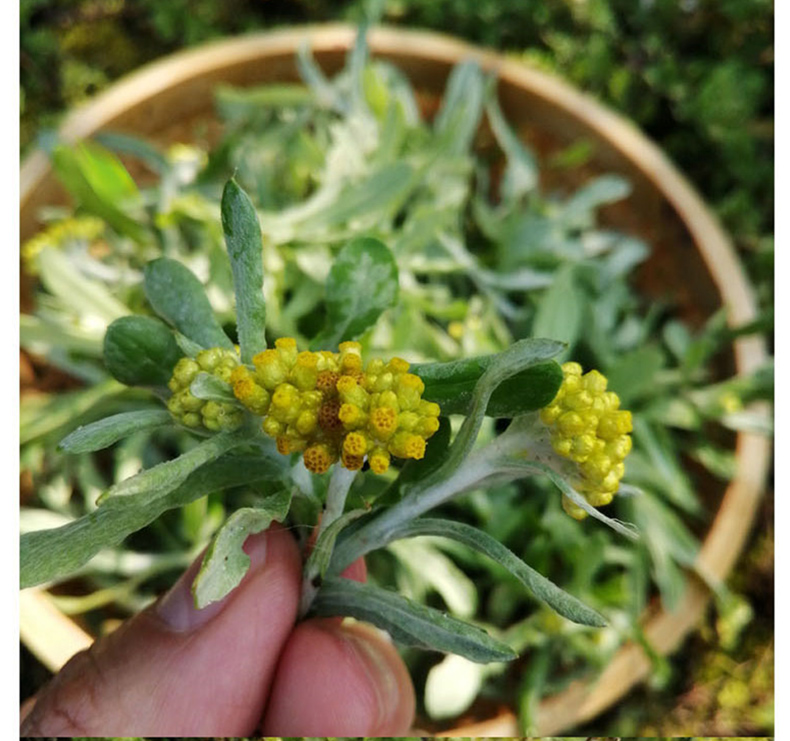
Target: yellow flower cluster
x=325 y=405
x=588 y=427
x=193 y=412
x=84 y=228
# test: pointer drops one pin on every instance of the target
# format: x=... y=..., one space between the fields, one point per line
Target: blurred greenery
x=722 y=680
x=697 y=76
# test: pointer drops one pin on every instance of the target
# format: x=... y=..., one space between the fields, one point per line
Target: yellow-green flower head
x=333 y=408
x=76 y=229
x=194 y=412
x=588 y=427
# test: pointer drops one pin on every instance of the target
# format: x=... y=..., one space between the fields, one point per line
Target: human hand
x=236 y=667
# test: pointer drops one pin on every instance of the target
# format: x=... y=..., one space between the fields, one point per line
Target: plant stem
x=336 y=494
x=339 y=486
x=521 y=440
x=379 y=532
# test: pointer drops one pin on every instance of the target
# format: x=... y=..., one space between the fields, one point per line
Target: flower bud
x=325 y=404
x=588 y=427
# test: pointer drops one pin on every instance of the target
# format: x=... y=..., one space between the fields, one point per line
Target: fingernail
x=177 y=608
x=382 y=675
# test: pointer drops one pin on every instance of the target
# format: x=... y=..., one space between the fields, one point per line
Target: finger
x=357 y=571
x=26 y=707
x=176 y=671
x=339 y=679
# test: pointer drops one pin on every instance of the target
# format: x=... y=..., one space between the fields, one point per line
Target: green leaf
x=706 y=342
x=140 y=351
x=245 y=248
x=36 y=332
x=88 y=297
x=532 y=688
x=451 y=385
x=516 y=359
x=326 y=94
x=99 y=183
x=321 y=555
x=521 y=173
x=56 y=553
x=105 y=172
x=236 y=104
x=462 y=107
x=136 y=147
x=633 y=374
x=208 y=387
x=625 y=529
x=190 y=348
x=362 y=283
x=578 y=211
x=745 y=420
x=105 y=432
x=225 y=563
x=356 y=61
x=560 y=309
x=408 y=622
x=178 y=297
x=669 y=542
x=720 y=462
x=41 y=415
x=655 y=462
x=423 y=568
x=164 y=477
x=546 y=591
x=370 y=200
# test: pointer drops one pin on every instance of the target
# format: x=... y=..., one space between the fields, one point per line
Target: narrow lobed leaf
x=225 y=563
x=313 y=76
x=99 y=183
x=143 y=150
x=462 y=107
x=237 y=104
x=362 y=283
x=43 y=416
x=105 y=432
x=521 y=173
x=516 y=359
x=321 y=555
x=245 y=249
x=178 y=297
x=546 y=591
x=625 y=529
x=408 y=622
x=451 y=385
x=162 y=478
x=55 y=553
x=560 y=309
x=379 y=195
x=45 y=335
x=579 y=209
x=80 y=293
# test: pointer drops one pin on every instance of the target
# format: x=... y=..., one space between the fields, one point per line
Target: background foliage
x=696 y=76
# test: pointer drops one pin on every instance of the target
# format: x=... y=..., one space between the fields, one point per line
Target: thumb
x=177 y=671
